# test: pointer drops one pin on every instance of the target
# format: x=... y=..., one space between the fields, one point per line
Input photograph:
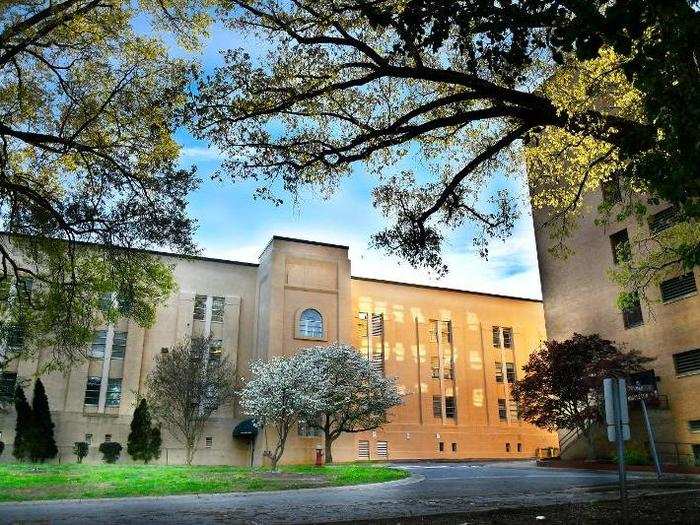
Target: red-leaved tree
x=562 y=386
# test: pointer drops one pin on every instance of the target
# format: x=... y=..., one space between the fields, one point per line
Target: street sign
x=611 y=389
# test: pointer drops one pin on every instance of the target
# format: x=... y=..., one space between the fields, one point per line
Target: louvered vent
x=687 y=361
x=678 y=287
x=662 y=220
x=363 y=449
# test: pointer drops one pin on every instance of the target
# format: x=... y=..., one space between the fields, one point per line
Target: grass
x=22 y=481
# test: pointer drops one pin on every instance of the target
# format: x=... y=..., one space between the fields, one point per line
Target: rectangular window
x=513 y=408
x=632 y=316
x=15 y=337
x=447 y=370
x=382 y=449
x=7 y=385
x=678 y=287
x=99 y=342
x=377 y=329
x=502 y=411
x=363 y=449
x=306 y=430
x=507 y=447
x=694 y=425
x=119 y=344
x=435 y=367
x=216 y=349
x=446 y=331
x=496 y=336
x=450 y=407
x=663 y=220
x=200 y=307
x=88 y=439
x=92 y=390
x=208 y=442
x=454 y=447
x=507 y=338
x=114 y=392
x=520 y=447
x=510 y=372
x=611 y=190
x=687 y=362
x=217 y=309
x=437 y=406
x=441 y=446
x=620 y=245
x=499 y=372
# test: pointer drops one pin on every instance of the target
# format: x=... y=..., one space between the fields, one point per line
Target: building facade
x=454 y=353
x=579 y=297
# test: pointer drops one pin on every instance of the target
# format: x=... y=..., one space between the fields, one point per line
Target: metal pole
x=617 y=397
x=652 y=440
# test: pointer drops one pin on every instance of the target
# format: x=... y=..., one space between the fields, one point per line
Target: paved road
x=434 y=488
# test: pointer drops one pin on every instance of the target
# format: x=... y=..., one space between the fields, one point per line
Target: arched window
x=311 y=323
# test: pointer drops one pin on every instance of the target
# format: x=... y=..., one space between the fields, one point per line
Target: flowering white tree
x=276 y=394
x=349 y=394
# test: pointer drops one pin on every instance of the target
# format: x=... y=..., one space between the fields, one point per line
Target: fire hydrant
x=319 y=456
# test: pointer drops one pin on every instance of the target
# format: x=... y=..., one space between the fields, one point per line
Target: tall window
x=217 y=309
x=98 y=344
x=7 y=385
x=435 y=367
x=620 y=245
x=510 y=372
x=450 y=407
x=499 y=372
x=611 y=190
x=632 y=316
x=92 y=390
x=114 y=392
x=311 y=324
x=507 y=337
x=437 y=406
x=119 y=344
x=200 y=307
x=502 y=410
x=496 y=336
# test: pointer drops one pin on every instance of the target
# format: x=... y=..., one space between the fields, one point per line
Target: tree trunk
x=328 y=452
x=590 y=442
x=189 y=454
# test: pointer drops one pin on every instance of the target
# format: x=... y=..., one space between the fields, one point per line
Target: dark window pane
x=632 y=316
x=450 y=407
x=507 y=337
x=92 y=390
x=437 y=406
x=620 y=244
x=7 y=385
x=611 y=190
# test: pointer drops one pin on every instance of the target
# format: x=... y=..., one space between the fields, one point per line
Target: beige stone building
x=454 y=353
x=579 y=297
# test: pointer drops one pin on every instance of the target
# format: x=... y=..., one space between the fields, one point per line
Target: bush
x=80 y=449
x=634 y=456
x=110 y=451
x=2 y=447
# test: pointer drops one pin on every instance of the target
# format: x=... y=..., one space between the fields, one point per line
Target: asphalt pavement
x=433 y=488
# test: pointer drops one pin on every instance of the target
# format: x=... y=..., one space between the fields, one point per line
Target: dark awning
x=245 y=429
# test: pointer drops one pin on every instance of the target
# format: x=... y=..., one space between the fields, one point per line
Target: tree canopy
x=562 y=386
x=463 y=85
x=88 y=108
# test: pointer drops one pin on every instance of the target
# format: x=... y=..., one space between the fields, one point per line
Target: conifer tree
x=23 y=425
x=144 y=440
x=42 y=445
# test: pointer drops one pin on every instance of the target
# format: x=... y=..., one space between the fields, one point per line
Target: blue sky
x=232 y=225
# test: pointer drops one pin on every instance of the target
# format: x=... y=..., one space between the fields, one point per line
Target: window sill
x=688 y=374
x=308 y=338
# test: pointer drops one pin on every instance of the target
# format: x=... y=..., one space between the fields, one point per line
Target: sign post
x=617 y=419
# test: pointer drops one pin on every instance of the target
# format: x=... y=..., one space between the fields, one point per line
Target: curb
x=410 y=480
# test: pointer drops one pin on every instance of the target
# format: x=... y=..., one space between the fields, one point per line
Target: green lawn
x=37 y=481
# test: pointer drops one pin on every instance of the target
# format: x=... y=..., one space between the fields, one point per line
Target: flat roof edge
x=446 y=289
